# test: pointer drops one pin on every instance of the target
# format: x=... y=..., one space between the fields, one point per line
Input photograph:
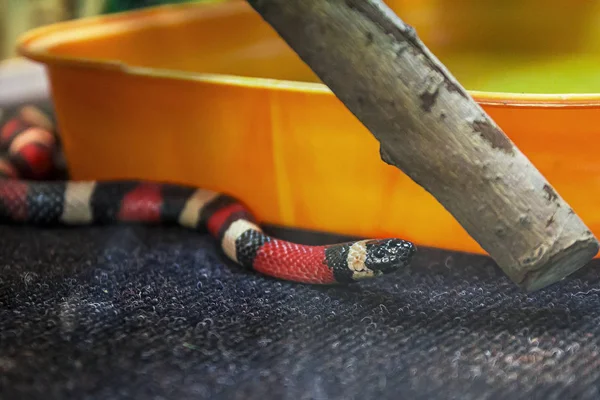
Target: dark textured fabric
x=156 y=313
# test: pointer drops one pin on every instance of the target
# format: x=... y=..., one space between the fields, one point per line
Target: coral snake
x=29 y=143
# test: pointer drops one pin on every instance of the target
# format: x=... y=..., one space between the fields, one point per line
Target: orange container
x=208 y=94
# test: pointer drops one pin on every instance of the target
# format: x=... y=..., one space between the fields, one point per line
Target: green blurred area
x=525 y=72
x=114 y=6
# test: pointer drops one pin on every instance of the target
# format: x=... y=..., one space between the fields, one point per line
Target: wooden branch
x=429 y=127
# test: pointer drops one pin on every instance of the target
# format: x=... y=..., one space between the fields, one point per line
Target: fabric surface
x=159 y=313
x=135 y=312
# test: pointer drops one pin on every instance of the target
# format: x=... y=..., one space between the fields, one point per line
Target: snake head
x=369 y=258
x=388 y=255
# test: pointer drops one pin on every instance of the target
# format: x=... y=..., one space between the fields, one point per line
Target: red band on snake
x=29 y=141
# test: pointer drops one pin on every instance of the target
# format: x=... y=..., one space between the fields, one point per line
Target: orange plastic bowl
x=208 y=94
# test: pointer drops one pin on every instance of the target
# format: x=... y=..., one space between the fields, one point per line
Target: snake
x=29 y=142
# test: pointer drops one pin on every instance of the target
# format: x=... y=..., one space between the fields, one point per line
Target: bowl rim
x=34 y=44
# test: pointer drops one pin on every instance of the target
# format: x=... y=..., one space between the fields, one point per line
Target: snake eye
x=380 y=252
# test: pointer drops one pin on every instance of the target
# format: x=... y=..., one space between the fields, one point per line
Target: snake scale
x=28 y=141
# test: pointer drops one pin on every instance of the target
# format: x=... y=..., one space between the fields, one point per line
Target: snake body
x=28 y=196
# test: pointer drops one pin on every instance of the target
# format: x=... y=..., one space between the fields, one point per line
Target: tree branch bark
x=429 y=127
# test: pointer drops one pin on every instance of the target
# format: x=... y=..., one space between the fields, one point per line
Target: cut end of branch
x=564 y=263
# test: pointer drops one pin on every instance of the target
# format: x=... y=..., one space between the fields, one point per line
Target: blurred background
x=23 y=80
x=18 y=16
